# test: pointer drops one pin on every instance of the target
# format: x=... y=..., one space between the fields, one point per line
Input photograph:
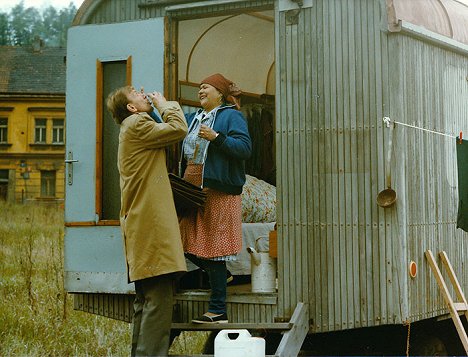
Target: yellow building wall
x=28 y=161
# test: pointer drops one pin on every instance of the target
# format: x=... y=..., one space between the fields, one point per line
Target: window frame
x=46 y=193
x=58 y=130
x=41 y=129
x=3 y=129
x=49 y=114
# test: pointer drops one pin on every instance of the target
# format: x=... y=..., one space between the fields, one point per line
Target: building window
x=3 y=184
x=40 y=131
x=57 y=131
x=47 y=183
x=3 y=130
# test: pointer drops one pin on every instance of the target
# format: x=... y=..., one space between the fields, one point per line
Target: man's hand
x=157 y=98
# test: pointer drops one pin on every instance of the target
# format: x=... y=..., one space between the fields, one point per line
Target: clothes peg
x=387 y=121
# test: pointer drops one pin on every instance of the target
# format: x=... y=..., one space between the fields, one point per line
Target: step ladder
x=455 y=308
x=294 y=332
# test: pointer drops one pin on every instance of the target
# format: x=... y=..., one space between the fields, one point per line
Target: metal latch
x=286 y=5
x=69 y=162
x=292 y=9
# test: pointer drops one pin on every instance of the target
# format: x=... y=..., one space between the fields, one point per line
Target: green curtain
x=462 y=162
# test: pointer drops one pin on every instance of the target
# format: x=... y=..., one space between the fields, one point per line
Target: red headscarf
x=227 y=88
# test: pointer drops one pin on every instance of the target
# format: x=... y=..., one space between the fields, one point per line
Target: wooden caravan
x=330 y=71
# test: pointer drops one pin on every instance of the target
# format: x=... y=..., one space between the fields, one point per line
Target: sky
x=6 y=5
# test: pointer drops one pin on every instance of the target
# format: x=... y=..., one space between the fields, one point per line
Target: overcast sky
x=6 y=5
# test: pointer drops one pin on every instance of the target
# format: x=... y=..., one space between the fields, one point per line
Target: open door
x=101 y=58
x=247 y=58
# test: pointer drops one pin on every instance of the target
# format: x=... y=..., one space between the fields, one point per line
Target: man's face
x=137 y=102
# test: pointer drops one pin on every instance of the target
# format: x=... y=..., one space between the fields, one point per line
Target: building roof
x=32 y=70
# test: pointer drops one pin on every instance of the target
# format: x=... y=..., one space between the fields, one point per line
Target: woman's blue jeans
x=216 y=270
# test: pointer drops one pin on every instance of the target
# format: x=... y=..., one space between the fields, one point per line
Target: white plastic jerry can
x=238 y=343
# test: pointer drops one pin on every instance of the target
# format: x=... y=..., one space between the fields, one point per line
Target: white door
x=101 y=58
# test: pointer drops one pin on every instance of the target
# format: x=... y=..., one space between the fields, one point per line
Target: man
x=148 y=219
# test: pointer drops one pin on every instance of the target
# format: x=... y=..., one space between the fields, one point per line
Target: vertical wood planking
x=336 y=78
x=430 y=161
x=349 y=239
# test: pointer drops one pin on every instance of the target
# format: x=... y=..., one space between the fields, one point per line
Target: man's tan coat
x=148 y=218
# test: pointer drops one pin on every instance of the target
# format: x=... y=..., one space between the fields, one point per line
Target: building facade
x=32 y=123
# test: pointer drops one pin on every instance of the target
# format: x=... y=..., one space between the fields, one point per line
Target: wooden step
x=184 y=326
x=212 y=356
x=294 y=332
x=454 y=307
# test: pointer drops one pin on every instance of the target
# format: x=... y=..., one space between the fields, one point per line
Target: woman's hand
x=207 y=133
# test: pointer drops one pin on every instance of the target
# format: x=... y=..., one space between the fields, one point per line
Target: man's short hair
x=117 y=103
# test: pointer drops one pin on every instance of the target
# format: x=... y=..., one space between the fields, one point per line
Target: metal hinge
x=69 y=161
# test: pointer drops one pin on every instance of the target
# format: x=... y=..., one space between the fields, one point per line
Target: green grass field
x=36 y=315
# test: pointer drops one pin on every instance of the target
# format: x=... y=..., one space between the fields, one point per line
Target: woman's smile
x=209 y=97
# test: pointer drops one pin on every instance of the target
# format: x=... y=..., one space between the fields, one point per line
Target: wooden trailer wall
x=339 y=71
x=337 y=244
x=428 y=89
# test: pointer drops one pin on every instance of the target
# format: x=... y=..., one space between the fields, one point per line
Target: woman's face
x=209 y=97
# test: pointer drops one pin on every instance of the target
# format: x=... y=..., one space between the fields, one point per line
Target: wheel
x=428 y=346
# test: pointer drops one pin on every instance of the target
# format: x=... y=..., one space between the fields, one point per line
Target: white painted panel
x=144 y=42
x=94 y=259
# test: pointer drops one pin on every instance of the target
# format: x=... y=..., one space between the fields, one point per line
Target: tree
x=22 y=25
x=4 y=29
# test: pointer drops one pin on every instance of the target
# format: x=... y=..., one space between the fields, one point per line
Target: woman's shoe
x=216 y=319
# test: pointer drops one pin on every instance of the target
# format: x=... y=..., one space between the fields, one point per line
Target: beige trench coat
x=148 y=217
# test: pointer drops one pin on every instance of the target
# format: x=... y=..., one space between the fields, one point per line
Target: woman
x=213 y=155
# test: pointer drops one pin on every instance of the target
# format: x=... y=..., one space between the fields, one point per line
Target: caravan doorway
x=240 y=46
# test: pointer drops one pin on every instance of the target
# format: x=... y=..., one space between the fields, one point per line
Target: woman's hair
x=117 y=103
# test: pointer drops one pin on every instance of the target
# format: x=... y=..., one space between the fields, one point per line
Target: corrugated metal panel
x=114 y=306
x=435 y=87
x=111 y=11
x=219 y=8
x=240 y=308
x=330 y=164
x=339 y=72
x=338 y=76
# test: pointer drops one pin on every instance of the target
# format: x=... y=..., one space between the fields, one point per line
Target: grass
x=36 y=314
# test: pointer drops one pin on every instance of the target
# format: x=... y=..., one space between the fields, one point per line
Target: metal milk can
x=263 y=268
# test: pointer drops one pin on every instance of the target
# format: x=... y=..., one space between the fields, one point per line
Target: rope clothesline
x=387 y=122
